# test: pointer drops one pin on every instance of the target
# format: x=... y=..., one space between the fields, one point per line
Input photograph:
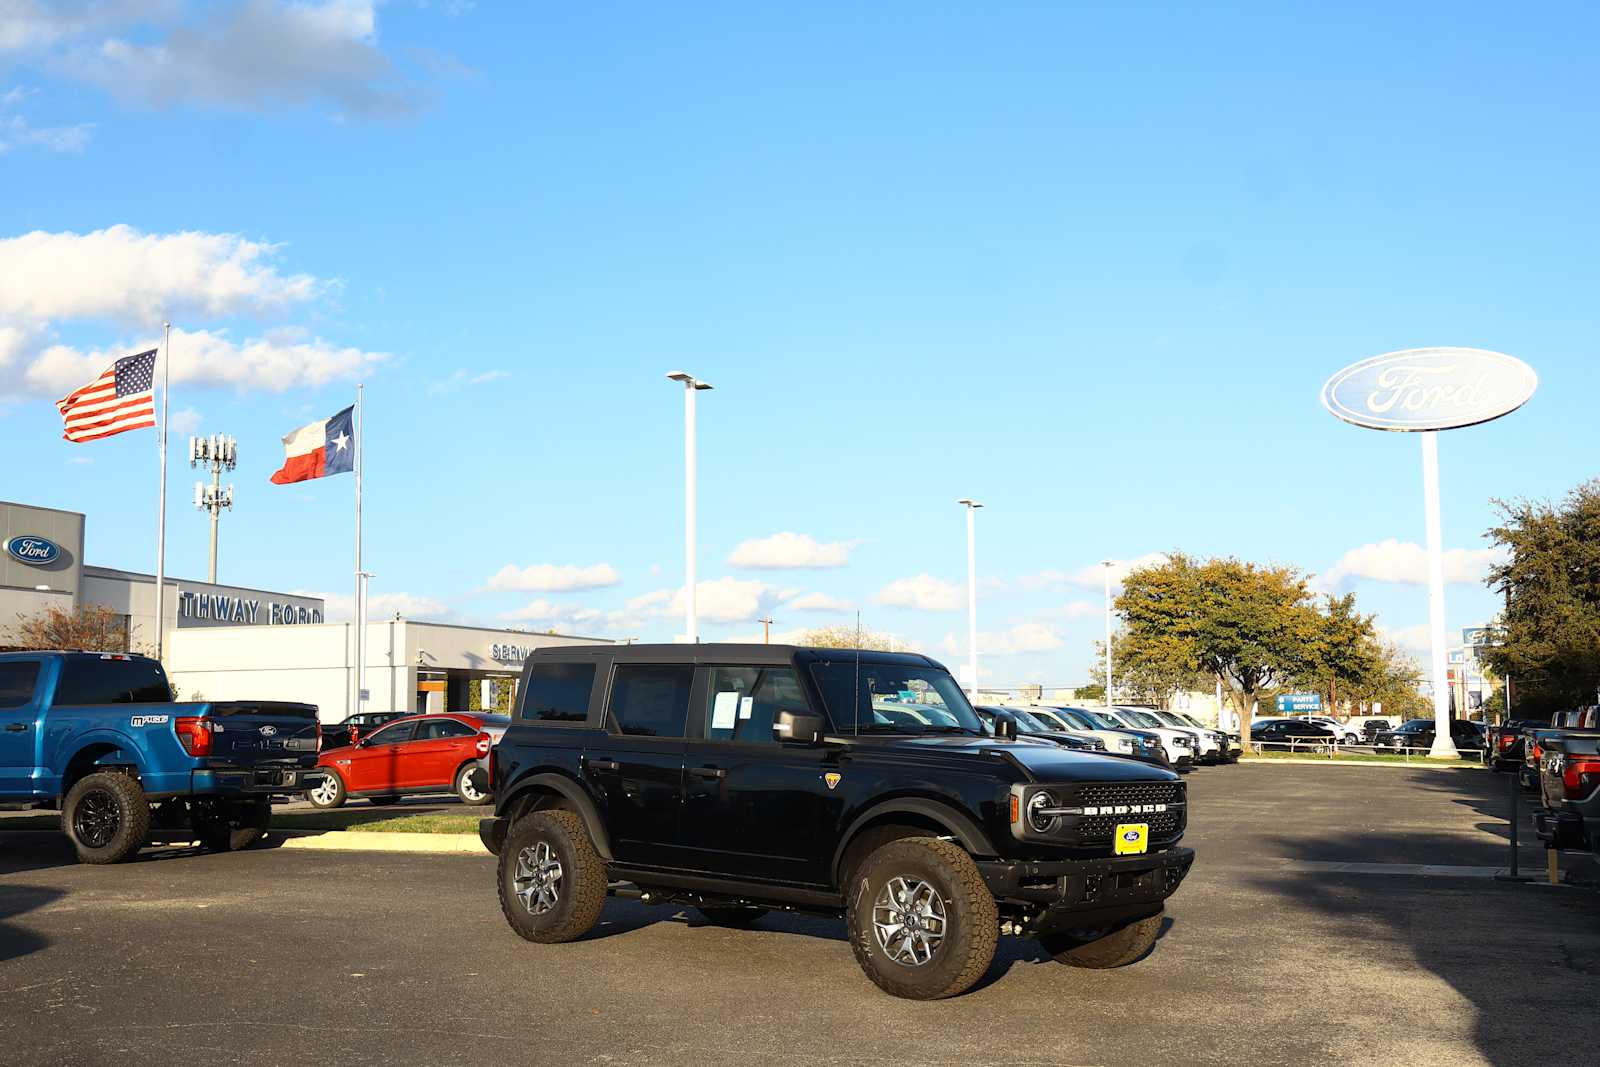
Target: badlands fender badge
x=832 y=778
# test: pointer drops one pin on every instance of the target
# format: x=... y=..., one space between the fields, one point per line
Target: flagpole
x=161 y=505
x=361 y=578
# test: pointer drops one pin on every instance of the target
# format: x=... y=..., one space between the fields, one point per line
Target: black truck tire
x=552 y=881
x=230 y=825
x=330 y=794
x=106 y=816
x=947 y=897
x=469 y=791
x=1116 y=947
x=734 y=917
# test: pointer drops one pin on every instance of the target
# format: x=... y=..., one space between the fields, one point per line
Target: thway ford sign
x=1425 y=390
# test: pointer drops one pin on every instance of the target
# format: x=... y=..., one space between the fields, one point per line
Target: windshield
x=1052 y=719
x=1139 y=718
x=1187 y=720
x=1095 y=720
x=894 y=698
x=1027 y=722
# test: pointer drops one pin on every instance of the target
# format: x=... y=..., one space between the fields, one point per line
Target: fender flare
x=572 y=791
x=970 y=836
x=128 y=746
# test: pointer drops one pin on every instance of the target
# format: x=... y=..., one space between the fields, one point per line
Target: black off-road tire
x=338 y=796
x=114 y=815
x=462 y=774
x=972 y=926
x=581 y=892
x=228 y=826
x=733 y=917
x=1113 y=948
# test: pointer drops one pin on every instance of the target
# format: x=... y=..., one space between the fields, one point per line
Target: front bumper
x=256 y=781
x=1079 y=893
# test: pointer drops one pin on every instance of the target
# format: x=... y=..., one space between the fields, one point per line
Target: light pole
x=972 y=507
x=1106 y=563
x=691 y=386
x=219 y=452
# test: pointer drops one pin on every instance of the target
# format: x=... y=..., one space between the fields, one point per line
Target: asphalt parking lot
x=1271 y=955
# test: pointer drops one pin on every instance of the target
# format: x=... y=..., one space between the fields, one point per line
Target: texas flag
x=319 y=449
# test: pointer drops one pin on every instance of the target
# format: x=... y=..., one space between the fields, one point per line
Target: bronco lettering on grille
x=1124 y=809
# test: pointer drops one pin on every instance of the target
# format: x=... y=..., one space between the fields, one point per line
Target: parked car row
x=413 y=754
x=1149 y=735
x=1318 y=733
x=1562 y=757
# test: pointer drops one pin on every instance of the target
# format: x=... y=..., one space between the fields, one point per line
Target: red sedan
x=417 y=754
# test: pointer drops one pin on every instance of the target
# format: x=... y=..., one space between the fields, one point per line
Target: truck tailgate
x=245 y=732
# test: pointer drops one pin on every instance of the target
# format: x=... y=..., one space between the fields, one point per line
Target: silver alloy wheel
x=326 y=792
x=537 y=882
x=909 y=921
x=469 y=791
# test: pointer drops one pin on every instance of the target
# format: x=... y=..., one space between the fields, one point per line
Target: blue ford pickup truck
x=99 y=737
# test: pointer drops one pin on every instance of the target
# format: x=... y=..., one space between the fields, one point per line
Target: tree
x=1550 y=644
x=1144 y=675
x=1250 y=624
x=1346 y=654
x=91 y=629
x=847 y=637
x=1391 y=680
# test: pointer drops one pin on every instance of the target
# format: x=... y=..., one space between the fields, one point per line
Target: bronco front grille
x=1097 y=826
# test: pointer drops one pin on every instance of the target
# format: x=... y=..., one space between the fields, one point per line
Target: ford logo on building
x=34 y=551
x=1429 y=389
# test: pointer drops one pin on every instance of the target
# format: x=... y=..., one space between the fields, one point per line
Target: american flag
x=123 y=398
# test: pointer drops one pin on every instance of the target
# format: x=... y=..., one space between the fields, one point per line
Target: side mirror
x=797 y=726
x=1005 y=728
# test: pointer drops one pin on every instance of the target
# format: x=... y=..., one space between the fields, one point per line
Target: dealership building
x=223 y=642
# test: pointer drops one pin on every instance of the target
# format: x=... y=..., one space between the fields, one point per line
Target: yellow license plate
x=1132 y=838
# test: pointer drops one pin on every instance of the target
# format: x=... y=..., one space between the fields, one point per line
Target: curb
x=1419 y=765
x=370 y=841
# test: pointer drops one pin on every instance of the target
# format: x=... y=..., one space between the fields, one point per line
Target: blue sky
x=1088 y=264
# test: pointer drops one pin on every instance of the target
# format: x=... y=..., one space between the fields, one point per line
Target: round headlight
x=1041 y=823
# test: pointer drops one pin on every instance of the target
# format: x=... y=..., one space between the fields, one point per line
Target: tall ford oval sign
x=35 y=551
x=1429 y=389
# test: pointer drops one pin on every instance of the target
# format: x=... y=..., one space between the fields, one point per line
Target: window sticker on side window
x=745 y=706
x=724 y=710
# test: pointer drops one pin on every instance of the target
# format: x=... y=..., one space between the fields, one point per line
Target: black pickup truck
x=740 y=779
x=1569 y=786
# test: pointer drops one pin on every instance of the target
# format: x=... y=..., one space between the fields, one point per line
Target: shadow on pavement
x=1515 y=953
x=16 y=941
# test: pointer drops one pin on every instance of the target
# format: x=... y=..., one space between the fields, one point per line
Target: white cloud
x=554 y=578
x=185 y=421
x=340 y=606
x=1018 y=640
x=276 y=362
x=790 y=551
x=924 y=593
x=256 y=55
x=17 y=132
x=546 y=611
x=1094 y=575
x=34 y=24
x=818 y=602
x=1415 y=639
x=464 y=379
x=127 y=276
x=1081 y=609
x=716 y=600
x=1406 y=562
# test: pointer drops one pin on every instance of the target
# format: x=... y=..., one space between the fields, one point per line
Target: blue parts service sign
x=34 y=551
x=1429 y=389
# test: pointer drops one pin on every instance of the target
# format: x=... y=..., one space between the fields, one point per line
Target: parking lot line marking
x=1423 y=870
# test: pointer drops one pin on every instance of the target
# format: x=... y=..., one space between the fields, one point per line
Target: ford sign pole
x=1425 y=390
x=1444 y=746
x=972 y=507
x=161 y=497
x=691 y=385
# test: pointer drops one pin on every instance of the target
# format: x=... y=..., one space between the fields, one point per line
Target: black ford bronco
x=739 y=779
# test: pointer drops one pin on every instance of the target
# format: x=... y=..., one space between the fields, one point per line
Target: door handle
x=709 y=772
x=603 y=765
x=16 y=727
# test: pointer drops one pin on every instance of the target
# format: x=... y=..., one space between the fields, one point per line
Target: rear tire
x=469 y=793
x=735 y=918
x=106 y=816
x=1114 y=947
x=922 y=922
x=330 y=794
x=552 y=881
x=228 y=826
